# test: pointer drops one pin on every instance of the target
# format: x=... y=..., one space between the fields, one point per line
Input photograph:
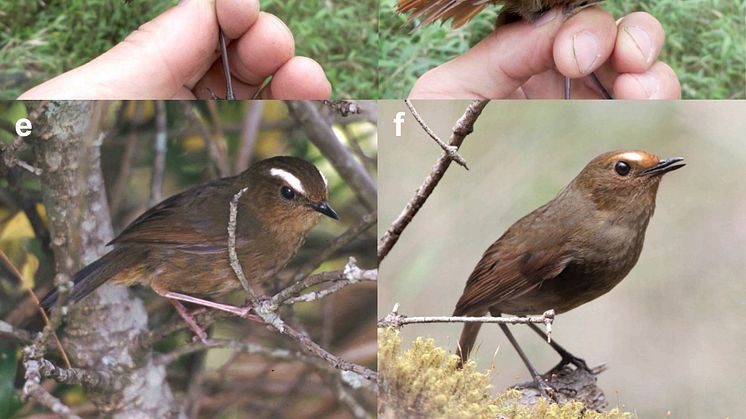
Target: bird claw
x=546 y=390
x=567 y=360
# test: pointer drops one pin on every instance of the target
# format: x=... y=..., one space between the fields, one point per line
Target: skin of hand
x=530 y=59
x=176 y=56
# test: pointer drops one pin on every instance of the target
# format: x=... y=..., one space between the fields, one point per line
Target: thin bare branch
x=450 y=150
x=8 y=330
x=235 y=264
x=117 y=191
x=9 y=153
x=34 y=391
x=159 y=161
x=100 y=380
x=249 y=134
x=343 y=107
x=322 y=136
x=463 y=127
x=353 y=374
x=351 y=274
x=396 y=320
x=215 y=154
x=365 y=223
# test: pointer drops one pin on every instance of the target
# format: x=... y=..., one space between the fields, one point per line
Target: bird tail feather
x=86 y=280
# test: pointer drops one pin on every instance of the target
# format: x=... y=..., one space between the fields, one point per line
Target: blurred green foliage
x=39 y=40
x=9 y=402
x=706 y=44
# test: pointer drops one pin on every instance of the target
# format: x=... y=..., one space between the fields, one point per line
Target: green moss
x=423 y=381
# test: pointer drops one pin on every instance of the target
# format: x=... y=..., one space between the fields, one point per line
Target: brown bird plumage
x=461 y=11
x=180 y=245
x=571 y=250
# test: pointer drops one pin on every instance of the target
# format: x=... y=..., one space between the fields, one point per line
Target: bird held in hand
x=569 y=251
x=462 y=11
x=180 y=247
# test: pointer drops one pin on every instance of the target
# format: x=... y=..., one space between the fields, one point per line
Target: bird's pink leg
x=189 y=319
x=243 y=312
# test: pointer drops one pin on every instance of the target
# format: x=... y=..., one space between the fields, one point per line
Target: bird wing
x=193 y=220
x=511 y=268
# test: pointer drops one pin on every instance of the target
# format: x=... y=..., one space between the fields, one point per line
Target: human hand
x=175 y=56
x=530 y=60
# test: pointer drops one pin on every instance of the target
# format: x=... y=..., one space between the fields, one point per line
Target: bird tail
x=466 y=342
x=468 y=338
x=86 y=280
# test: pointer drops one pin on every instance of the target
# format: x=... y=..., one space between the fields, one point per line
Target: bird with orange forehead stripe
x=569 y=251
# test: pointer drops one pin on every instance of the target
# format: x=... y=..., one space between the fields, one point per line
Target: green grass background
x=39 y=40
x=705 y=45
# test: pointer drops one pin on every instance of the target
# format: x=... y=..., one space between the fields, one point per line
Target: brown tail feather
x=87 y=279
x=466 y=341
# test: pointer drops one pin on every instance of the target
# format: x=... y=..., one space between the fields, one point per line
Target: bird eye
x=287 y=193
x=622 y=168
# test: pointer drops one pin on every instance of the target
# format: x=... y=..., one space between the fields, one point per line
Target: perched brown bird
x=569 y=251
x=180 y=247
x=462 y=11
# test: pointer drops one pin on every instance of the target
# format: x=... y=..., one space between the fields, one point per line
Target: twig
x=347 y=399
x=159 y=161
x=117 y=191
x=192 y=113
x=464 y=126
x=236 y=346
x=23 y=336
x=353 y=374
x=450 y=150
x=235 y=264
x=396 y=320
x=349 y=373
x=343 y=107
x=323 y=137
x=249 y=134
x=366 y=222
x=64 y=286
x=50 y=325
x=32 y=389
x=217 y=144
x=100 y=380
x=9 y=153
x=351 y=274
x=204 y=320
x=369 y=162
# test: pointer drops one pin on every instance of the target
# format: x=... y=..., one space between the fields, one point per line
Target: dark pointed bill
x=326 y=209
x=664 y=166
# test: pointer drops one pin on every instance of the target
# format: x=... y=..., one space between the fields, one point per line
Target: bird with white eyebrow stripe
x=180 y=247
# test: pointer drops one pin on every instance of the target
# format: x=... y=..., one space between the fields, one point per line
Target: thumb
x=160 y=60
x=496 y=66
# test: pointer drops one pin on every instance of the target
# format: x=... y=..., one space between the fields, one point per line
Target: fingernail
x=649 y=84
x=641 y=40
x=547 y=17
x=585 y=50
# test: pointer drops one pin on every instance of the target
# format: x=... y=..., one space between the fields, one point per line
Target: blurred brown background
x=672 y=332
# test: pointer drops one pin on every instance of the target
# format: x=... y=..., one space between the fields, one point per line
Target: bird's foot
x=546 y=390
x=199 y=332
x=569 y=359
